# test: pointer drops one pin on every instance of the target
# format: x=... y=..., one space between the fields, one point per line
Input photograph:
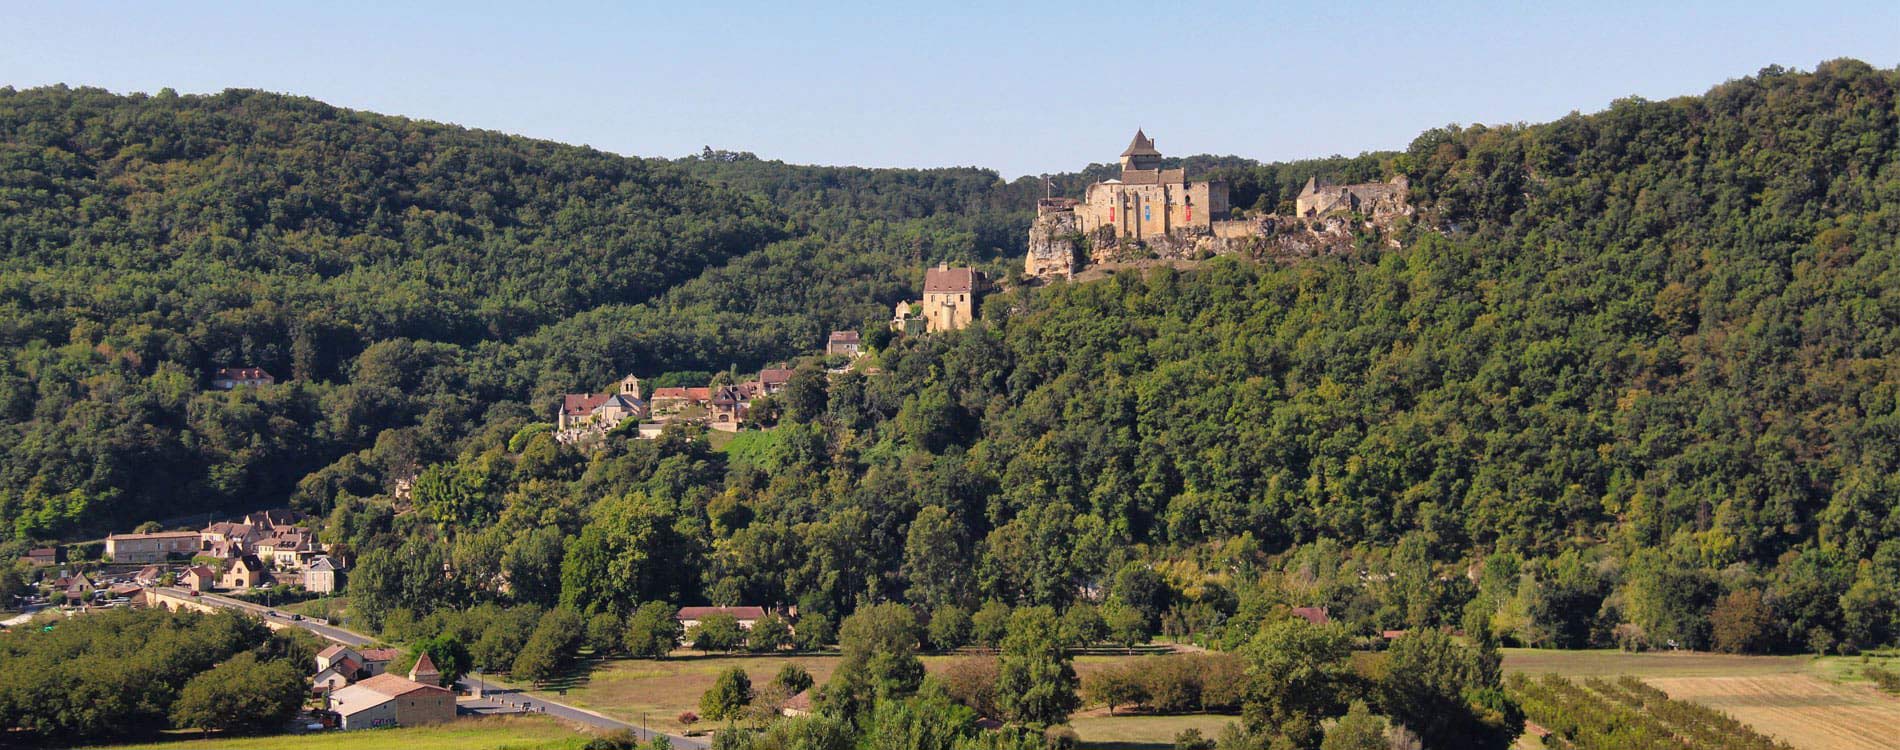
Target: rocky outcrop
x=1055 y=244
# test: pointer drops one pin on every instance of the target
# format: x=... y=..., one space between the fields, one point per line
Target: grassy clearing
x=1651 y=664
x=630 y=689
x=658 y=691
x=1143 y=732
x=486 y=733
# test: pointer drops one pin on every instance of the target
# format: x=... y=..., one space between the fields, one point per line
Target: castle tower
x=1141 y=154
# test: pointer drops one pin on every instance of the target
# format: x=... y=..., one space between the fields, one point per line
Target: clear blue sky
x=1022 y=87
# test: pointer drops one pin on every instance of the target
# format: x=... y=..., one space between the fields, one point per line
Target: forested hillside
x=1633 y=380
x=403 y=277
x=1630 y=378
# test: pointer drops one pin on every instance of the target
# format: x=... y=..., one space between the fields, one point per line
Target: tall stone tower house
x=949 y=298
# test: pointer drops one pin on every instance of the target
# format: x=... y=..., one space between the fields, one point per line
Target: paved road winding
x=501 y=696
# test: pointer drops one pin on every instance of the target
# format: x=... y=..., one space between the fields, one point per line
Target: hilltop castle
x=1149 y=201
x=1151 y=212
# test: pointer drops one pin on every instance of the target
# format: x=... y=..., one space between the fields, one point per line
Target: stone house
x=950 y=299
x=40 y=557
x=150 y=548
x=198 y=578
x=389 y=700
x=690 y=617
x=774 y=379
x=149 y=575
x=603 y=411
x=844 y=344
x=243 y=572
x=227 y=378
x=323 y=575
x=728 y=406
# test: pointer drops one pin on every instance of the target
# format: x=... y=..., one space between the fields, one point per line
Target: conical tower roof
x=1141 y=146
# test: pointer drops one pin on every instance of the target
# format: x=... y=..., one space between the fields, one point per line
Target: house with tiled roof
x=149 y=575
x=243 y=572
x=774 y=379
x=728 y=406
x=844 y=344
x=227 y=378
x=1315 y=615
x=150 y=548
x=951 y=296
x=690 y=617
x=323 y=575
x=388 y=700
x=40 y=557
x=198 y=578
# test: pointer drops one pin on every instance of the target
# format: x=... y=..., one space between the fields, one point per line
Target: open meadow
x=486 y=733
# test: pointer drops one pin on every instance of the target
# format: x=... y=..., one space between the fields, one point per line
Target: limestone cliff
x=1054 y=244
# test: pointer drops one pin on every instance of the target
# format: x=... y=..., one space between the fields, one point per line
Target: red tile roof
x=775 y=376
x=380 y=654
x=701 y=613
x=1315 y=615
x=395 y=685
x=660 y=393
x=949 y=280
x=579 y=404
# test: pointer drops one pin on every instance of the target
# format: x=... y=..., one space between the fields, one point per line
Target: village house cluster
x=584 y=416
x=263 y=548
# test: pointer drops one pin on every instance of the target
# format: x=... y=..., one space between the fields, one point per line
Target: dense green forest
x=1630 y=379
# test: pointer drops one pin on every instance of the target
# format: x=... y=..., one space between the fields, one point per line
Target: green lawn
x=486 y=733
x=1103 y=732
x=1605 y=663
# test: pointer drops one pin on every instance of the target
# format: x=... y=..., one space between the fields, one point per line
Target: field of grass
x=658 y=691
x=1651 y=664
x=1103 y=732
x=486 y=733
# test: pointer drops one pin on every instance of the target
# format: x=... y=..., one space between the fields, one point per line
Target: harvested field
x=1809 y=713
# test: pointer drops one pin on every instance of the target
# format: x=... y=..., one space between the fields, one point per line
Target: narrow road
x=337 y=634
x=540 y=703
x=535 y=702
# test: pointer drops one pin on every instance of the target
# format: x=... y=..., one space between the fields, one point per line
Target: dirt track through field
x=1809 y=713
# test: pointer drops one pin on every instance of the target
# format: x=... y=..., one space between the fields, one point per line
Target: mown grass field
x=486 y=733
x=1103 y=732
x=658 y=691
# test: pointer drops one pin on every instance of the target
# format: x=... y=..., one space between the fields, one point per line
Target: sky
x=1022 y=87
